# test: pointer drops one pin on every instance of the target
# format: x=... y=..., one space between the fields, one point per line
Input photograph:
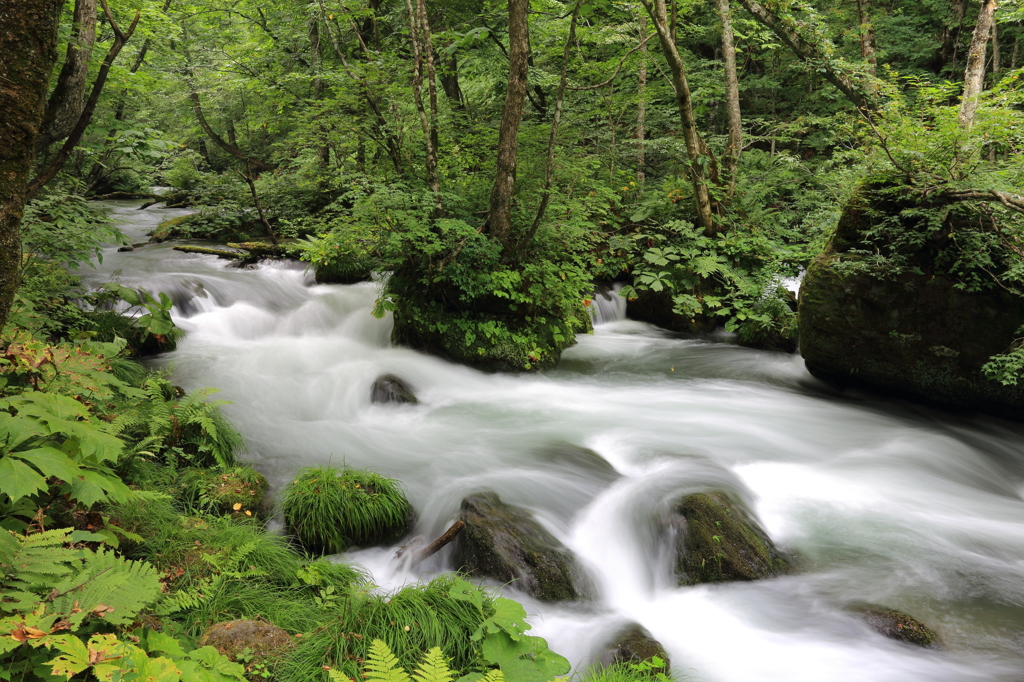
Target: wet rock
x=656 y=307
x=390 y=389
x=717 y=542
x=125 y=249
x=634 y=644
x=503 y=542
x=262 y=640
x=220 y=252
x=898 y=625
x=260 y=250
x=576 y=458
x=915 y=334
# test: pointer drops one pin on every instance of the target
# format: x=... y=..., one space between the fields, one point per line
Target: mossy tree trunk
x=67 y=101
x=28 y=43
x=974 y=76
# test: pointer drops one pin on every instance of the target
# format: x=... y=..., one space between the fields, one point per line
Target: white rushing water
x=883 y=501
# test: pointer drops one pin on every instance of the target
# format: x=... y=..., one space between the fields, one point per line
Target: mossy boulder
x=916 y=333
x=259 y=643
x=218 y=251
x=634 y=644
x=238 y=491
x=504 y=542
x=656 y=307
x=261 y=250
x=390 y=389
x=329 y=509
x=717 y=542
x=898 y=625
x=343 y=271
x=209 y=224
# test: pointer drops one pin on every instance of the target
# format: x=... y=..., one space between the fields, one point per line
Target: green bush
x=330 y=508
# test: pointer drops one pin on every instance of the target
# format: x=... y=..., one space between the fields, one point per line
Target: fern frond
x=109 y=587
x=382 y=665
x=434 y=668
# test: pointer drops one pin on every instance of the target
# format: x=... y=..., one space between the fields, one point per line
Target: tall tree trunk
x=641 y=107
x=28 y=43
x=951 y=33
x=450 y=81
x=868 y=50
x=731 y=158
x=699 y=155
x=996 y=56
x=323 y=151
x=68 y=97
x=974 y=76
x=499 y=217
x=85 y=118
x=421 y=48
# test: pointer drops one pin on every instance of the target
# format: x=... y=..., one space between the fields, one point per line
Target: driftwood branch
x=434 y=547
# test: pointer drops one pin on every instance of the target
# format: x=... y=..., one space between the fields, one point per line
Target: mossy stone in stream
x=328 y=509
x=656 y=307
x=504 y=542
x=262 y=641
x=897 y=625
x=634 y=644
x=260 y=250
x=219 y=252
x=717 y=542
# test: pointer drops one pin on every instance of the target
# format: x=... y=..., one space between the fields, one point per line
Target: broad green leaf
x=50 y=461
x=18 y=479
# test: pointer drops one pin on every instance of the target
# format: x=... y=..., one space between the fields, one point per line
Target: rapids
x=883 y=501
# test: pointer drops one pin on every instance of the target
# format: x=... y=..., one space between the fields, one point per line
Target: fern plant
x=382 y=666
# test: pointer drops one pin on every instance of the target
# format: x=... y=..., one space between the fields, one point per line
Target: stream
x=883 y=501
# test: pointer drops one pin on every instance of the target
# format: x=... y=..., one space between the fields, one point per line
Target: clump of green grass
x=328 y=509
x=237 y=491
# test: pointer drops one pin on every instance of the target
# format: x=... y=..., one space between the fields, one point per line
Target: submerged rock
x=504 y=542
x=717 y=542
x=262 y=640
x=634 y=644
x=390 y=389
x=916 y=334
x=898 y=625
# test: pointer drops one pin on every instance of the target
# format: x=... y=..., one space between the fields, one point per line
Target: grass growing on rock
x=329 y=509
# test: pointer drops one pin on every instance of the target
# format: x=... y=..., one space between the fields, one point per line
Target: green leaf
x=50 y=461
x=18 y=479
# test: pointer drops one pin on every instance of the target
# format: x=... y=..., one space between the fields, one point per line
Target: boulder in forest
x=262 y=640
x=634 y=644
x=656 y=307
x=717 y=542
x=917 y=333
x=898 y=625
x=390 y=389
x=504 y=542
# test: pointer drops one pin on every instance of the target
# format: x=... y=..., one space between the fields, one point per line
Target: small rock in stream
x=390 y=389
x=634 y=644
x=897 y=625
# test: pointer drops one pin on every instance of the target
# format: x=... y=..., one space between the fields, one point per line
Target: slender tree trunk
x=120 y=39
x=974 y=76
x=323 y=151
x=28 y=43
x=951 y=34
x=1016 y=53
x=867 y=35
x=996 y=56
x=450 y=81
x=499 y=217
x=698 y=153
x=731 y=158
x=68 y=97
x=418 y=33
x=641 y=107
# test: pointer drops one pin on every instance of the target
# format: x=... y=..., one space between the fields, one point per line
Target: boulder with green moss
x=254 y=643
x=261 y=250
x=504 y=542
x=914 y=331
x=219 y=252
x=717 y=542
x=238 y=491
x=898 y=625
x=634 y=644
x=657 y=308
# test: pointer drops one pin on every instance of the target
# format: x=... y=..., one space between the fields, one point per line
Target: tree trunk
x=499 y=217
x=68 y=98
x=951 y=34
x=419 y=32
x=974 y=76
x=450 y=81
x=323 y=151
x=28 y=43
x=698 y=153
x=733 y=148
x=996 y=56
x=868 y=50
x=641 y=107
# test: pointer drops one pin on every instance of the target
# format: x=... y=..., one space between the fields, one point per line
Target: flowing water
x=883 y=501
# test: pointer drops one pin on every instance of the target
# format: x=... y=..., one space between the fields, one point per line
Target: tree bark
x=996 y=56
x=974 y=76
x=28 y=43
x=731 y=158
x=641 y=107
x=700 y=156
x=499 y=217
x=68 y=97
x=418 y=32
x=951 y=33
x=868 y=50
x=323 y=151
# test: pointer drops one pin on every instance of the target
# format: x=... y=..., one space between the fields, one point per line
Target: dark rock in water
x=656 y=307
x=578 y=458
x=634 y=644
x=503 y=542
x=390 y=389
x=914 y=334
x=897 y=625
x=125 y=249
x=717 y=542
x=263 y=640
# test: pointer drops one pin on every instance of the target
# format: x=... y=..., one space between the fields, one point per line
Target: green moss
x=328 y=509
x=898 y=625
x=238 y=491
x=262 y=249
x=718 y=543
x=230 y=254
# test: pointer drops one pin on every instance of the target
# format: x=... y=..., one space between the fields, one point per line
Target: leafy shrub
x=184 y=173
x=331 y=508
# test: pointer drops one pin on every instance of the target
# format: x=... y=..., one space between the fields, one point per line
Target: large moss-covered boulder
x=717 y=542
x=504 y=542
x=634 y=644
x=915 y=332
x=898 y=625
x=656 y=307
x=260 y=642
